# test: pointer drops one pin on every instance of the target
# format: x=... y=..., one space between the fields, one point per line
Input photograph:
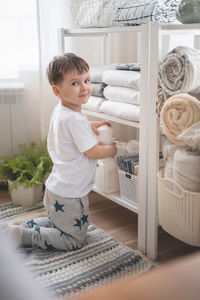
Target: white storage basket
x=128 y=186
x=179 y=212
x=107 y=179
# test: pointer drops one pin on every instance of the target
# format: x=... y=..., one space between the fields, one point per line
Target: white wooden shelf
x=117 y=199
x=110 y=118
x=100 y=31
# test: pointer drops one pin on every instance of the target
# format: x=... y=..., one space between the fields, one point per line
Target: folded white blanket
x=168 y=150
x=122 y=94
x=191 y=136
x=187 y=169
x=122 y=78
x=96 y=73
x=121 y=110
x=179 y=70
x=94 y=103
x=178 y=113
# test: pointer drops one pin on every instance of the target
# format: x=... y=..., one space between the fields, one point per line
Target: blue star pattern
x=49 y=246
x=37 y=229
x=58 y=206
x=84 y=219
x=31 y=223
x=78 y=224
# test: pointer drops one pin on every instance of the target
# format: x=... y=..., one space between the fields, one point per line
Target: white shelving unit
x=153 y=38
x=140 y=208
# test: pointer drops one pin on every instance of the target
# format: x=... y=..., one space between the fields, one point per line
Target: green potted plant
x=26 y=172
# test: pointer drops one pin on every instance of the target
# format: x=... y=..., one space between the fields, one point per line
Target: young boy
x=74 y=151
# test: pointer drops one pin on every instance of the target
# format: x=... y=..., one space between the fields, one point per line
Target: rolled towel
x=191 y=136
x=168 y=150
x=129 y=79
x=179 y=70
x=97 y=89
x=122 y=94
x=121 y=110
x=178 y=113
x=94 y=103
x=187 y=169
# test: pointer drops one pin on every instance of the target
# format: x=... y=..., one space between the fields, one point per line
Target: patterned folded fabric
x=129 y=79
x=129 y=66
x=96 y=73
x=133 y=12
x=122 y=94
x=97 y=89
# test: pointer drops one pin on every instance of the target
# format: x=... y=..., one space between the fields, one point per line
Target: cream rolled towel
x=179 y=70
x=178 y=113
x=191 y=136
x=187 y=169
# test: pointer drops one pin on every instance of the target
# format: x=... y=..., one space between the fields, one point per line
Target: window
x=19 y=41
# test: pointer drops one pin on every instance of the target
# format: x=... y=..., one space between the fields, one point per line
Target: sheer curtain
x=28 y=31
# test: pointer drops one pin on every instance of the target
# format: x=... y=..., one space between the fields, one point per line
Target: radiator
x=12 y=117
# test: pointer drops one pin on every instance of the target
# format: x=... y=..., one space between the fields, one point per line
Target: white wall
x=55 y=14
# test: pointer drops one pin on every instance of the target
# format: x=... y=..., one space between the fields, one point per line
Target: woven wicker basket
x=179 y=212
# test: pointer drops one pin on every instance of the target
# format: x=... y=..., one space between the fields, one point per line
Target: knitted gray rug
x=101 y=261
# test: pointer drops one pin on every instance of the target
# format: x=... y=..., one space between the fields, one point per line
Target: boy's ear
x=55 y=90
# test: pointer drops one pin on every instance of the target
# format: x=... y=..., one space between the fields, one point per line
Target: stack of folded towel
x=123 y=92
x=97 y=97
x=179 y=111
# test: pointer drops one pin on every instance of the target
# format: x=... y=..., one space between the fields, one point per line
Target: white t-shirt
x=70 y=135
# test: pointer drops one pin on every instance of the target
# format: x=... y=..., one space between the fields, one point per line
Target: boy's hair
x=62 y=64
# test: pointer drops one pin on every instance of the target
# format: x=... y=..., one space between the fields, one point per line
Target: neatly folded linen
x=191 y=136
x=96 y=73
x=122 y=94
x=121 y=110
x=186 y=169
x=94 y=103
x=97 y=89
x=122 y=78
x=179 y=70
x=178 y=113
x=134 y=12
x=168 y=150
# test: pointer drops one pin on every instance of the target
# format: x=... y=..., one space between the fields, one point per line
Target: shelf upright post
x=61 y=40
x=153 y=142
x=143 y=140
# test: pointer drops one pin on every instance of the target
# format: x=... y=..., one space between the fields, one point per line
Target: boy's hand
x=112 y=148
x=94 y=125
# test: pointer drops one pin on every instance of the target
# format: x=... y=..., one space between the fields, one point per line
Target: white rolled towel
x=178 y=113
x=186 y=170
x=191 y=136
x=168 y=151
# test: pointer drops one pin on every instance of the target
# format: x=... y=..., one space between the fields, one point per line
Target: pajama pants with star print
x=65 y=228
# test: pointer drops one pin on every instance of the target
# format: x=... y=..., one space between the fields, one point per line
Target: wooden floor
x=121 y=224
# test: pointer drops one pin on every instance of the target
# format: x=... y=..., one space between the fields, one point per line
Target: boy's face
x=74 y=90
